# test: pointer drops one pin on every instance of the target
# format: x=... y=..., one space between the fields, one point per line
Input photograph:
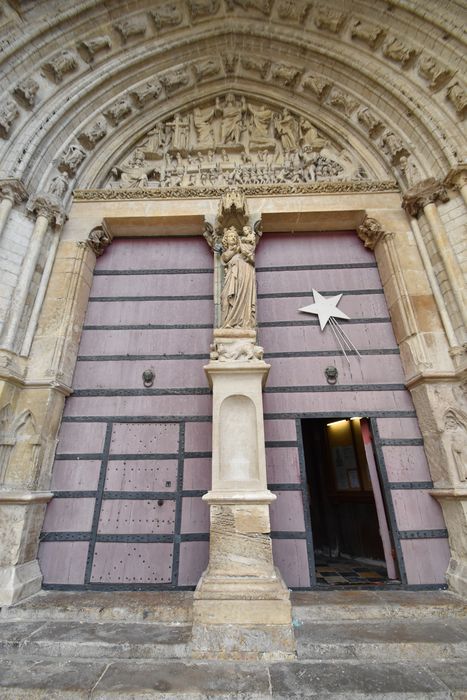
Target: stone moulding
x=333 y=187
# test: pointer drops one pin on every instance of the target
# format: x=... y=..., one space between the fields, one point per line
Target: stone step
x=77 y=679
x=95 y=640
x=384 y=640
x=167 y=607
x=315 y=606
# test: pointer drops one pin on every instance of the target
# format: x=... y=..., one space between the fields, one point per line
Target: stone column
x=422 y=198
x=11 y=192
x=48 y=212
x=242 y=607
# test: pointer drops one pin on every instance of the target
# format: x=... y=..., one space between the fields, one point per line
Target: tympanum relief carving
x=233 y=141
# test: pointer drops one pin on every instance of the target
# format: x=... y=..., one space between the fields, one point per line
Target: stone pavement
x=351 y=644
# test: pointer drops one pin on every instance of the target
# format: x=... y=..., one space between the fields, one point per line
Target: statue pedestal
x=241 y=605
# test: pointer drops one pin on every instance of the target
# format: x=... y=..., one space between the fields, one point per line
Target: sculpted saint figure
x=260 y=126
x=286 y=128
x=202 y=120
x=232 y=118
x=238 y=296
x=135 y=174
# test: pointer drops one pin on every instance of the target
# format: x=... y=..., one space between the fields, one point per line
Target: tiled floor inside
x=345 y=572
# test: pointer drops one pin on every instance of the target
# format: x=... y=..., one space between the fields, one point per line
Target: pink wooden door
x=289 y=266
x=132 y=461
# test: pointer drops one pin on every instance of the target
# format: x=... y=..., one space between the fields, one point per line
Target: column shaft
x=6 y=205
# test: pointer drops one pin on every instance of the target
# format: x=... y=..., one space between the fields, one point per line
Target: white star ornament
x=325 y=308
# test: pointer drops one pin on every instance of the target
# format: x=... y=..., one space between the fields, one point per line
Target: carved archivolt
x=232 y=141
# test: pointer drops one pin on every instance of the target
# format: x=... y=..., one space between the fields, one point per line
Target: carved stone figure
x=118 y=111
x=369 y=33
x=455 y=426
x=309 y=136
x=130 y=27
x=319 y=86
x=409 y=170
x=458 y=97
x=263 y=6
x=342 y=101
x=294 y=9
x=134 y=175
x=232 y=118
x=61 y=63
x=397 y=51
x=175 y=79
x=370 y=121
x=230 y=62
x=202 y=121
x=95 y=45
x=285 y=75
x=98 y=240
x=394 y=147
x=203 y=8
x=207 y=68
x=287 y=129
x=94 y=133
x=238 y=296
x=150 y=90
x=239 y=351
x=256 y=66
x=26 y=91
x=260 y=127
x=180 y=132
x=9 y=112
x=167 y=15
x=327 y=18
x=432 y=70
x=59 y=185
x=156 y=140
x=72 y=159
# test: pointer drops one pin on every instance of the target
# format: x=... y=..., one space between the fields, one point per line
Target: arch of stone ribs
x=131 y=121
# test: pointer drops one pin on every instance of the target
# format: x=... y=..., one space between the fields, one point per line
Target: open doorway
x=351 y=539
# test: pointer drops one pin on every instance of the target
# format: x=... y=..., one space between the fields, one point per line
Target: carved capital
x=98 y=239
x=423 y=193
x=457 y=177
x=13 y=189
x=48 y=206
x=370 y=232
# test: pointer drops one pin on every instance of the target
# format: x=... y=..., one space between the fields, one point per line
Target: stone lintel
x=423 y=193
x=22 y=498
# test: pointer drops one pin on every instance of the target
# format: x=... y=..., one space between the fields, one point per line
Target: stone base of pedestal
x=19 y=582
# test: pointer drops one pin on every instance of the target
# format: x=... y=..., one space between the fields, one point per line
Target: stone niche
x=233 y=141
x=238 y=458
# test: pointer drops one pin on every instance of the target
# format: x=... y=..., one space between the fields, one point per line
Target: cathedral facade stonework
x=232 y=126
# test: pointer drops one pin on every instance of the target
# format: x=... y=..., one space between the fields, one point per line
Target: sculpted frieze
x=263 y=6
x=9 y=112
x=371 y=34
x=150 y=90
x=343 y=101
x=93 y=46
x=398 y=51
x=458 y=98
x=118 y=111
x=207 y=68
x=370 y=121
x=26 y=91
x=131 y=27
x=435 y=72
x=169 y=14
x=72 y=159
x=327 y=18
x=320 y=86
x=285 y=75
x=93 y=133
x=174 y=80
x=295 y=10
x=203 y=8
x=60 y=64
x=233 y=141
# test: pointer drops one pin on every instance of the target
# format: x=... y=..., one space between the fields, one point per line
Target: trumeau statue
x=230 y=141
x=238 y=296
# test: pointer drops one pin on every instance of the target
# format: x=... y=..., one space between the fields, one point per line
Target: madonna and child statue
x=238 y=295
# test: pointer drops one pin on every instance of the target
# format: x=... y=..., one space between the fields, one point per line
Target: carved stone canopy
x=233 y=141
